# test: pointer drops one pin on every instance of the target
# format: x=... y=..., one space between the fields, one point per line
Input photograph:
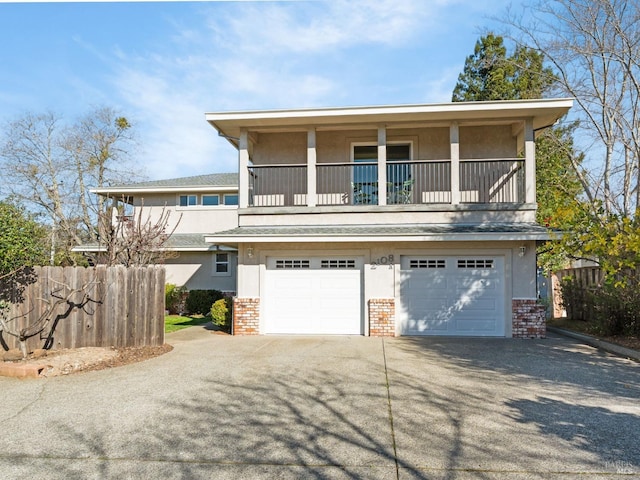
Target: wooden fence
x=108 y=306
x=586 y=279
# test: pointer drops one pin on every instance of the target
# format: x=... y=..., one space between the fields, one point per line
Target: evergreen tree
x=491 y=74
x=22 y=239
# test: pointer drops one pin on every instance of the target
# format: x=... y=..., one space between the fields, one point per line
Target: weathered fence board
x=587 y=279
x=125 y=307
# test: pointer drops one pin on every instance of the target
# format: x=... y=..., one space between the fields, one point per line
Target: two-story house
x=388 y=220
x=196 y=206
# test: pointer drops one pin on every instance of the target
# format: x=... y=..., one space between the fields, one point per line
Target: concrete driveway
x=332 y=407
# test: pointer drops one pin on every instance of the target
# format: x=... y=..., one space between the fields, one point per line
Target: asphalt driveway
x=332 y=407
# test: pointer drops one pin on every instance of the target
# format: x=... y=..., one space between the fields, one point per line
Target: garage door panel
x=475 y=326
x=462 y=296
x=312 y=300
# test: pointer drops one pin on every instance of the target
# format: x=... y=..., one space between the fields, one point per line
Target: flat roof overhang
x=543 y=112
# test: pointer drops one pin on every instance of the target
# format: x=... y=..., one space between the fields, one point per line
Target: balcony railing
x=414 y=182
x=277 y=185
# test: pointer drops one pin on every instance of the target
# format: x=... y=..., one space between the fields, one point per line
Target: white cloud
x=274 y=55
x=312 y=27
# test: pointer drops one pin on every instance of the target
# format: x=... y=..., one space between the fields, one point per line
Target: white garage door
x=317 y=295
x=457 y=296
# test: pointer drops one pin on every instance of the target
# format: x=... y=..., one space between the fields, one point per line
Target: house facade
x=196 y=206
x=391 y=220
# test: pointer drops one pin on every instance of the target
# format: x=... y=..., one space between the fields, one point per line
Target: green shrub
x=173 y=298
x=612 y=308
x=222 y=313
x=199 y=302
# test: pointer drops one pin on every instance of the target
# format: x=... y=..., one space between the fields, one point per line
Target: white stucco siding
x=195 y=271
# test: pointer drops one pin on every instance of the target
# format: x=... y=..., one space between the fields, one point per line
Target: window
x=231 y=199
x=291 y=264
x=365 y=176
x=188 y=200
x=427 y=263
x=338 y=264
x=210 y=200
x=481 y=263
x=399 y=181
x=222 y=264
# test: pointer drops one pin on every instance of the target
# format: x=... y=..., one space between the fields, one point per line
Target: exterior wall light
x=250 y=252
x=523 y=250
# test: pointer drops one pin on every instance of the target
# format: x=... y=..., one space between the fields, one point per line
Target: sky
x=163 y=65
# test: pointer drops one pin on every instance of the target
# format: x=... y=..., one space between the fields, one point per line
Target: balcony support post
x=529 y=162
x=243 y=168
x=311 y=167
x=382 y=165
x=454 y=140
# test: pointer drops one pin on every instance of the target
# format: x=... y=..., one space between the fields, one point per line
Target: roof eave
x=544 y=112
x=176 y=189
x=436 y=237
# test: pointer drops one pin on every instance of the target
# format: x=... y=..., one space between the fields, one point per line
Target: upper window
x=188 y=200
x=231 y=199
x=365 y=176
x=210 y=200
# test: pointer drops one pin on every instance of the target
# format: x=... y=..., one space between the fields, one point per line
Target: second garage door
x=456 y=296
x=316 y=295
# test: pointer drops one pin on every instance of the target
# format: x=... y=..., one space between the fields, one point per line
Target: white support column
x=529 y=162
x=311 y=167
x=382 y=165
x=243 y=168
x=454 y=140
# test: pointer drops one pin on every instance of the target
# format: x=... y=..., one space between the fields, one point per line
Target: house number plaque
x=382 y=262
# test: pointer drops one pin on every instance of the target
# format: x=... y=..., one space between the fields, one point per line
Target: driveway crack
x=393 y=433
x=28 y=405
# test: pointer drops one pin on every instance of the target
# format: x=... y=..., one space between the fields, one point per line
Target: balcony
x=418 y=182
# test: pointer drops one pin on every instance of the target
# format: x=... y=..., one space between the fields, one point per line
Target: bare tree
x=594 y=48
x=134 y=240
x=50 y=166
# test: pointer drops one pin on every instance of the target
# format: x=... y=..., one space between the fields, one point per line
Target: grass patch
x=173 y=323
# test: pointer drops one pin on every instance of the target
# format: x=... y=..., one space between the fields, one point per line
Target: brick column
x=529 y=319
x=382 y=317
x=246 y=316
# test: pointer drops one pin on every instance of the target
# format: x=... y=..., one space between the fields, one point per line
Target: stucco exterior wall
x=391 y=215
x=278 y=148
x=430 y=143
x=495 y=141
x=195 y=271
x=193 y=219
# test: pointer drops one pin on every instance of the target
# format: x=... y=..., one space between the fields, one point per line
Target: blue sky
x=164 y=64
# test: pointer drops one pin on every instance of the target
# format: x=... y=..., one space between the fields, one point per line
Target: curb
x=597 y=343
x=21 y=370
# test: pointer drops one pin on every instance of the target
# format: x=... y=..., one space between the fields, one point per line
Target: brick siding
x=529 y=319
x=382 y=317
x=246 y=316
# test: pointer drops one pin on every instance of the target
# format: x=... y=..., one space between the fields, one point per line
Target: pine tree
x=491 y=74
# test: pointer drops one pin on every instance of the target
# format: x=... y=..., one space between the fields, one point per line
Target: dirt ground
x=69 y=361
